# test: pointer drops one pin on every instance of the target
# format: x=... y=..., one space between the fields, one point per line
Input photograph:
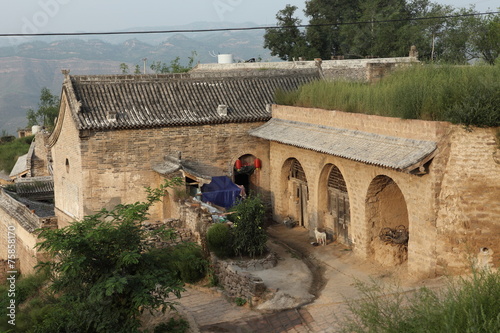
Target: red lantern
x=258 y=163
x=237 y=165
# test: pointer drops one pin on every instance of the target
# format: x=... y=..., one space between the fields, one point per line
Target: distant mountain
x=27 y=67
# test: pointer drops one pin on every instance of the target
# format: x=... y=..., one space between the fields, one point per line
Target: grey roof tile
x=386 y=151
x=176 y=100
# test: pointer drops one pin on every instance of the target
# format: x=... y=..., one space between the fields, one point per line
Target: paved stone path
x=209 y=312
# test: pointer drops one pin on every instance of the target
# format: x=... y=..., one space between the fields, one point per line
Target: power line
x=148 y=32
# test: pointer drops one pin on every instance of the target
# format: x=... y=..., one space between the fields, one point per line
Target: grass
x=468 y=95
x=467 y=305
x=10 y=151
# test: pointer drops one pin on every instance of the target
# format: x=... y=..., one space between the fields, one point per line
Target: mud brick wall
x=468 y=200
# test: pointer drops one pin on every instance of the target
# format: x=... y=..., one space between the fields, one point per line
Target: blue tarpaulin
x=221 y=192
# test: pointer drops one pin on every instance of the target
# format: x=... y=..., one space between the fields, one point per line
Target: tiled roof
x=175 y=100
x=386 y=151
x=35 y=185
x=21 y=167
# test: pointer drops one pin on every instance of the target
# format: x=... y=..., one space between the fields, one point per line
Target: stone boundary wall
x=233 y=275
x=237 y=282
x=351 y=69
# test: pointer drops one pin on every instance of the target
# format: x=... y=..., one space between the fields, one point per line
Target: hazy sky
x=34 y=16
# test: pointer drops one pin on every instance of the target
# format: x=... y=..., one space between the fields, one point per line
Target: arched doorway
x=337 y=204
x=247 y=175
x=298 y=192
x=388 y=224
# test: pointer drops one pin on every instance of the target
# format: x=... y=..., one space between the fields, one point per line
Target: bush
x=172 y=326
x=188 y=262
x=249 y=236
x=470 y=305
x=468 y=95
x=10 y=151
x=219 y=240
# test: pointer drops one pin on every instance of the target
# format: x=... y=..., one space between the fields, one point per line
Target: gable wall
x=68 y=196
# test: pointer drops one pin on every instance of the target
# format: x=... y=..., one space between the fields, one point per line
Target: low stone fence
x=238 y=282
x=233 y=275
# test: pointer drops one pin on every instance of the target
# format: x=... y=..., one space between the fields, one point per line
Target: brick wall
x=117 y=165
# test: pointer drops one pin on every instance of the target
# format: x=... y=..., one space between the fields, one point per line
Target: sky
x=39 y=16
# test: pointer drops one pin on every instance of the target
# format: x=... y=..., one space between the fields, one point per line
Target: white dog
x=320 y=237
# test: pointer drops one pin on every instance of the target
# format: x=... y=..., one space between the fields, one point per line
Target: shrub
x=468 y=95
x=249 y=236
x=173 y=326
x=10 y=151
x=469 y=305
x=219 y=240
x=188 y=262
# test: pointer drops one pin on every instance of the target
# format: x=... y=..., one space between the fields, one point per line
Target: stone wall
x=38 y=157
x=351 y=69
x=238 y=282
x=468 y=203
x=24 y=223
x=5 y=267
x=117 y=165
x=453 y=210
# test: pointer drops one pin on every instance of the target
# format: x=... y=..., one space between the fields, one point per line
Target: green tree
x=105 y=272
x=248 y=234
x=287 y=41
x=137 y=70
x=374 y=39
x=48 y=109
x=124 y=68
x=175 y=65
x=487 y=41
x=324 y=35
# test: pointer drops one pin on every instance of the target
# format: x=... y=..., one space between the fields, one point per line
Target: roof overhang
x=173 y=163
x=402 y=154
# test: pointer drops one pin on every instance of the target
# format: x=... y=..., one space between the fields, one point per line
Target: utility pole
x=144 y=60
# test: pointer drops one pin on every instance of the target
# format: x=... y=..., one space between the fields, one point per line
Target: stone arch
x=294 y=185
x=386 y=208
x=333 y=203
x=248 y=176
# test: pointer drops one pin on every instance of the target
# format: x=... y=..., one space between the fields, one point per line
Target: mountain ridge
x=27 y=67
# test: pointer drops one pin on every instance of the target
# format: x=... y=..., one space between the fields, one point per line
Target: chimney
x=222 y=110
x=111 y=116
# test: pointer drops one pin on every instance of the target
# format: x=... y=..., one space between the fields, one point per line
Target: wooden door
x=339 y=208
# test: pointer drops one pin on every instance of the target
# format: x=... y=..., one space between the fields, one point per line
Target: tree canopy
x=375 y=28
x=105 y=272
x=48 y=109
